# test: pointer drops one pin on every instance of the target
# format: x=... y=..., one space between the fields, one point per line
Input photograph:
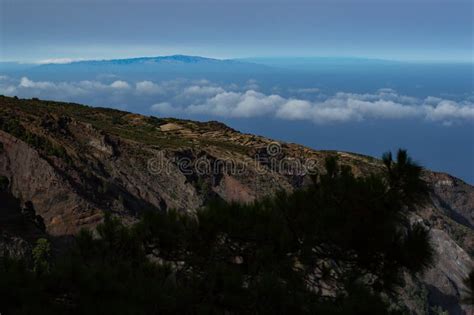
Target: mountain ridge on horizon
x=190 y=58
x=173 y=57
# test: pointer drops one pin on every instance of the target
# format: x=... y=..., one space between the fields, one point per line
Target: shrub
x=41 y=256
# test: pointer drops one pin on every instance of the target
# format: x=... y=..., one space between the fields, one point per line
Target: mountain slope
x=74 y=163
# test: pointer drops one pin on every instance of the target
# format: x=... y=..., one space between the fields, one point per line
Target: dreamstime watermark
x=273 y=148
x=270 y=159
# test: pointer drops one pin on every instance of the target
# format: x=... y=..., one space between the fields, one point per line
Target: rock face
x=33 y=178
x=445 y=279
x=73 y=163
x=454 y=197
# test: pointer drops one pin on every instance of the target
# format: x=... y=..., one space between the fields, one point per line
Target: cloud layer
x=338 y=108
x=188 y=98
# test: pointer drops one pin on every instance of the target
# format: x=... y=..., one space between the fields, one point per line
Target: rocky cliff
x=71 y=163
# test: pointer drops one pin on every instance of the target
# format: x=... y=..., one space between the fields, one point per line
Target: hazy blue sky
x=33 y=30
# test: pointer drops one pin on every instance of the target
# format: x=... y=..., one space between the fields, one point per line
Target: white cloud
x=91 y=85
x=74 y=91
x=448 y=111
x=8 y=90
x=74 y=88
x=203 y=90
x=333 y=115
x=120 y=85
x=294 y=109
x=59 y=60
x=184 y=97
x=27 y=83
x=342 y=107
x=148 y=87
x=234 y=104
x=381 y=109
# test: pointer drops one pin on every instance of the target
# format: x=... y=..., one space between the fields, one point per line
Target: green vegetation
x=111 y=121
x=41 y=256
x=226 y=146
x=337 y=247
x=13 y=126
x=418 y=295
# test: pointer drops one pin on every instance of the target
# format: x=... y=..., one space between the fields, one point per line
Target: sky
x=34 y=30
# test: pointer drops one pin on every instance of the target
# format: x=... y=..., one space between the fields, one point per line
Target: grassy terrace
x=125 y=125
